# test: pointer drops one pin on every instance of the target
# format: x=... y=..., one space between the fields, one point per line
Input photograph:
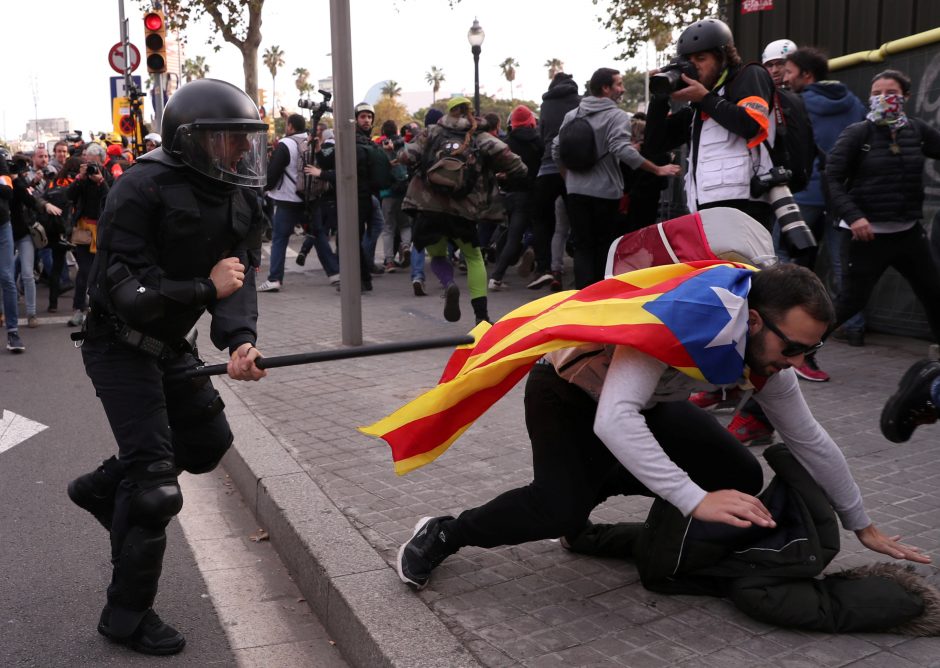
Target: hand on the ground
x=228 y=275
x=730 y=506
x=668 y=170
x=861 y=230
x=873 y=539
x=242 y=364
x=693 y=92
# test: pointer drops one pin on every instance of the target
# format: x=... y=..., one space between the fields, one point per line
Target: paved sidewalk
x=337 y=513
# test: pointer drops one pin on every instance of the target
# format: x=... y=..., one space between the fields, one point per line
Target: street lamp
x=475 y=36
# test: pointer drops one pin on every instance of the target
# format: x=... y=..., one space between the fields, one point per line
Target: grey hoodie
x=612 y=132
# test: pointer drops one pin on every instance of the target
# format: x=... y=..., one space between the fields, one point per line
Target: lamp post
x=475 y=36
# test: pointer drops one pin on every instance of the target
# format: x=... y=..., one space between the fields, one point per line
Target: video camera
x=793 y=229
x=318 y=109
x=91 y=169
x=669 y=78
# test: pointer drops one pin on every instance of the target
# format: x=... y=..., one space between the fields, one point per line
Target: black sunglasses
x=791 y=348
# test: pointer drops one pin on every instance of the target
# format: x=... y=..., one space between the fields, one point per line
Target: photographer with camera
x=282 y=187
x=87 y=194
x=726 y=122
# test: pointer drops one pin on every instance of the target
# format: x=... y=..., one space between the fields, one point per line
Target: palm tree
x=391 y=89
x=508 y=67
x=302 y=74
x=273 y=59
x=434 y=78
x=554 y=67
x=195 y=69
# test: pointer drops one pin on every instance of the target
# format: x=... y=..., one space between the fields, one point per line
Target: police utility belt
x=112 y=327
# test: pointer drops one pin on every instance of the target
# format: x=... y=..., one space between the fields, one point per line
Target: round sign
x=116 y=57
x=126 y=125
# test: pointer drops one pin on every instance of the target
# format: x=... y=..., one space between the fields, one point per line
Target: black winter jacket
x=526 y=143
x=867 y=180
x=560 y=98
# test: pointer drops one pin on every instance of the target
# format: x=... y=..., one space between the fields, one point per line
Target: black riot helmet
x=704 y=35
x=215 y=128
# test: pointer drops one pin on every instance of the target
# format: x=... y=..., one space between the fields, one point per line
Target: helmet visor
x=232 y=155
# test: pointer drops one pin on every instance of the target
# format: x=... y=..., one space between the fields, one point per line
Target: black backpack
x=452 y=162
x=577 y=145
x=795 y=146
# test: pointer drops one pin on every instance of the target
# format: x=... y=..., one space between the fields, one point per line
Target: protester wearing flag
x=606 y=406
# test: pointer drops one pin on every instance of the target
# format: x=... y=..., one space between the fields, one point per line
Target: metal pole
x=125 y=40
x=346 y=183
x=331 y=355
x=476 y=79
x=158 y=103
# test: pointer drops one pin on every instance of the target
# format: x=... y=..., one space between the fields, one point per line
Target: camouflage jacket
x=496 y=158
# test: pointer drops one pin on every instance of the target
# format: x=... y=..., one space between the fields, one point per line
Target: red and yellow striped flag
x=680 y=314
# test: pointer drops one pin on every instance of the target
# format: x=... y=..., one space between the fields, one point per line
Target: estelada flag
x=691 y=316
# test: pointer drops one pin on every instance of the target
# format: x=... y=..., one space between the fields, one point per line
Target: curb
x=373 y=618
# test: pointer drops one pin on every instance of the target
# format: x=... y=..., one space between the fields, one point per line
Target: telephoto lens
x=793 y=229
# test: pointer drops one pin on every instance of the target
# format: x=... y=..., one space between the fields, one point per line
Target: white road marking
x=14 y=429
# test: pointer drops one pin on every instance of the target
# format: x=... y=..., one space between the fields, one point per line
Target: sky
x=398 y=39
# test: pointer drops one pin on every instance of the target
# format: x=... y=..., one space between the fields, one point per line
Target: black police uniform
x=163 y=229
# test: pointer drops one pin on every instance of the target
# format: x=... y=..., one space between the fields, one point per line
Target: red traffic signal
x=155 y=41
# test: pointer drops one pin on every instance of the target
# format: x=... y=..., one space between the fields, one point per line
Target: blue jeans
x=374 y=225
x=323 y=218
x=26 y=256
x=286 y=216
x=835 y=239
x=417 y=264
x=7 y=282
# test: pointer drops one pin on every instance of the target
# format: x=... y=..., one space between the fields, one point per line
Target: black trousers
x=548 y=188
x=865 y=261
x=574 y=471
x=595 y=225
x=161 y=426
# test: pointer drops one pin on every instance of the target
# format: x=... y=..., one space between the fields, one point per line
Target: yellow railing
x=888 y=48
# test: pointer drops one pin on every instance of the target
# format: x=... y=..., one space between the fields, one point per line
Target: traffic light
x=155 y=40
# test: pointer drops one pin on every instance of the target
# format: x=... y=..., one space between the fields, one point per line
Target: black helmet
x=216 y=129
x=704 y=35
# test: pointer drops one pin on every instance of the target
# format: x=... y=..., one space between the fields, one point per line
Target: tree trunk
x=250 y=67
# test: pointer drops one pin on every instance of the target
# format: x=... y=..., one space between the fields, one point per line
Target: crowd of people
x=157 y=243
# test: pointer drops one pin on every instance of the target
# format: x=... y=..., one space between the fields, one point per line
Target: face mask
x=886 y=109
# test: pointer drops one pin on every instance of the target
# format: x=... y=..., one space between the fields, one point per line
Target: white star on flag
x=734 y=330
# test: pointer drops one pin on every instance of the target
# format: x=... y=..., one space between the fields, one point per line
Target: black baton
x=330 y=355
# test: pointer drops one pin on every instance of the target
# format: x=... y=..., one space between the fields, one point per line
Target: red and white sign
x=116 y=57
x=748 y=6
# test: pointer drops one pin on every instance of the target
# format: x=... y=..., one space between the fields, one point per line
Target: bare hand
x=313 y=170
x=668 y=170
x=693 y=92
x=228 y=275
x=241 y=366
x=861 y=230
x=873 y=539
x=730 y=506
x=53 y=210
x=97 y=179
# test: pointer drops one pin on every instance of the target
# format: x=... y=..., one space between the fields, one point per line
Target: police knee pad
x=156 y=502
x=204 y=457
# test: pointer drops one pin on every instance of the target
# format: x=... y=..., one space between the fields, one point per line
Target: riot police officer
x=180 y=234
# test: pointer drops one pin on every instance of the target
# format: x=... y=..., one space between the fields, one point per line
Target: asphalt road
x=54 y=557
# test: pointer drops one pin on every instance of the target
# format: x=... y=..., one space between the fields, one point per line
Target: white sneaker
x=333 y=279
x=496 y=286
x=269 y=286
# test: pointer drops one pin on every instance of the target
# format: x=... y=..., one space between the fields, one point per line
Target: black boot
x=95 y=491
x=150 y=636
x=480 y=309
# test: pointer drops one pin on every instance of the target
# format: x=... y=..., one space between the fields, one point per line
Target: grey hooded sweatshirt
x=612 y=133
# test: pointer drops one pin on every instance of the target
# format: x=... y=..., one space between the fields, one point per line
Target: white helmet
x=777 y=50
x=154 y=137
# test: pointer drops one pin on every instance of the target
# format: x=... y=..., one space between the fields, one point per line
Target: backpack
x=295 y=171
x=452 y=162
x=795 y=146
x=577 y=145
